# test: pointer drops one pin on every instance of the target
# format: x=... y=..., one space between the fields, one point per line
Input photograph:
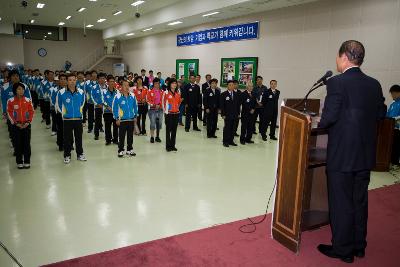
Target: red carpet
x=225 y=246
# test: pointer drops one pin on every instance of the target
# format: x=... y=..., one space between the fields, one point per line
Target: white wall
x=11 y=49
x=75 y=50
x=296 y=45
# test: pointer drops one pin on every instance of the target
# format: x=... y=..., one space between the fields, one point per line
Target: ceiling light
x=49 y=33
x=117 y=13
x=210 y=14
x=9 y=64
x=67 y=18
x=130 y=34
x=149 y=29
x=92 y=0
x=137 y=3
x=81 y=9
x=40 y=5
x=174 y=23
x=45 y=36
x=32 y=21
x=26 y=31
x=0 y=18
x=61 y=23
x=100 y=20
x=89 y=26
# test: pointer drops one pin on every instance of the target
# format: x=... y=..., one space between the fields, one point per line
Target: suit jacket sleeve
x=333 y=104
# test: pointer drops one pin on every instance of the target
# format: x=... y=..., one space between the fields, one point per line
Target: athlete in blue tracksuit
x=69 y=102
x=108 y=96
x=125 y=111
x=97 y=97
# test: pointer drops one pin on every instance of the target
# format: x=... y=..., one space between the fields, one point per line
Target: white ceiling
x=154 y=13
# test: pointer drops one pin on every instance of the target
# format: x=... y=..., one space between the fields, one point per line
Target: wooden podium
x=301 y=201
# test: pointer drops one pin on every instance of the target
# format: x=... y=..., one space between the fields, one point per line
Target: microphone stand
x=304 y=100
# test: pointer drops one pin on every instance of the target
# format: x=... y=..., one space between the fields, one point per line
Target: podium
x=301 y=199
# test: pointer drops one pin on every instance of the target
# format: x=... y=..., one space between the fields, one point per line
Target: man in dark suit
x=192 y=100
x=270 y=103
x=211 y=98
x=229 y=101
x=204 y=87
x=145 y=78
x=248 y=102
x=353 y=105
x=258 y=91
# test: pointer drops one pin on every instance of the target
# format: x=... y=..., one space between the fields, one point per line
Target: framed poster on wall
x=242 y=69
x=186 y=67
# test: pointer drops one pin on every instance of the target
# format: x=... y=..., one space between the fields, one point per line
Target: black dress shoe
x=226 y=145
x=264 y=138
x=96 y=138
x=328 y=251
x=214 y=136
x=243 y=142
x=273 y=138
x=168 y=149
x=197 y=130
x=250 y=142
x=233 y=144
x=236 y=135
x=217 y=128
x=108 y=143
x=158 y=140
x=187 y=130
x=174 y=149
x=359 y=253
x=152 y=140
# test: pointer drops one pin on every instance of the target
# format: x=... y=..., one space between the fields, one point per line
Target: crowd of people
x=69 y=102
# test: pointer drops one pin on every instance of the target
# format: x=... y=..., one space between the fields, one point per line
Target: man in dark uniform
x=192 y=99
x=229 y=101
x=144 y=78
x=258 y=91
x=270 y=103
x=204 y=87
x=353 y=105
x=238 y=92
x=199 y=111
x=248 y=102
x=211 y=98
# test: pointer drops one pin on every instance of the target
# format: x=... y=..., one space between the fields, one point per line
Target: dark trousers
x=90 y=111
x=258 y=115
x=73 y=128
x=348 y=210
x=22 y=144
x=235 y=126
x=41 y=105
x=46 y=112
x=268 y=120
x=191 y=112
x=11 y=134
x=247 y=127
x=84 y=111
x=35 y=99
x=211 y=120
x=53 y=120
x=98 y=117
x=171 y=124
x=228 y=135
x=126 y=128
x=396 y=147
x=60 y=131
x=141 y=120
x=108 y=122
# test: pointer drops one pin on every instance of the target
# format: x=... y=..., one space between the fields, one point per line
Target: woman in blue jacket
x=125 y=111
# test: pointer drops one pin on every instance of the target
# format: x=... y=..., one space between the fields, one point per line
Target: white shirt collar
x=350 y=68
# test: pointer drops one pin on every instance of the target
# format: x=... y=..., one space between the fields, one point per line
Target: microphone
x=323 y=79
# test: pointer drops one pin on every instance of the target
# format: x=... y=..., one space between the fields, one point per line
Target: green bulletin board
x=241 y=69
x=186 y=67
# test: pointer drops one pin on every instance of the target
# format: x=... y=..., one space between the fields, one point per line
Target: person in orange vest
x=171 y=102
x=20 y=113
x=140 y=92
x=154 y=99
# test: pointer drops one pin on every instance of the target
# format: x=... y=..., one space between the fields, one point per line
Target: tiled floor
x=54 y=212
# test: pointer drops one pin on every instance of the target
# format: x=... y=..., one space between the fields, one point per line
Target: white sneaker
x=131 y=153
x=121 y=154
x=48 y=127
x=20 y=166
x=27 y=166
x=82 y=157
x=53 y=133
x=67 y=160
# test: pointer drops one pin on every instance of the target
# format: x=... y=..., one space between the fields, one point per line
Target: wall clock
x=42 y=52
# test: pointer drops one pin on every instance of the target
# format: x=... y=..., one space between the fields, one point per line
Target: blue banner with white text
x=223 y=34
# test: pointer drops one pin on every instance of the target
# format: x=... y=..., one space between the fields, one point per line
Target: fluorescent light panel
x=32 y=21
x=149 y=29
x=117 y=12
x=101 y=20
x=81 y=9
x=49 y=33
x=174 y=23
x=89 y=26
x=210 y=14
x=61 y=23
x=40 y=5
x=67 y=18
x=137 y=3
x=130 y=34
